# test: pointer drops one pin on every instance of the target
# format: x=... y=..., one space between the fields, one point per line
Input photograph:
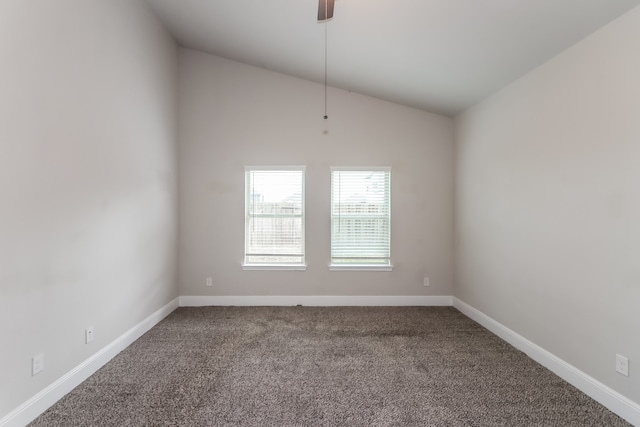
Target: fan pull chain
x=325 y=66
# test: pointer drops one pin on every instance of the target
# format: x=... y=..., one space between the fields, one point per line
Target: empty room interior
x=497 y=141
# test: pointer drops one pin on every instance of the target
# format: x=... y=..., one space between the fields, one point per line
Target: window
x=361 y=218
x=274 y=218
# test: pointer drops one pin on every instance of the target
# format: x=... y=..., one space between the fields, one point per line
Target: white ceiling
x=437 y=55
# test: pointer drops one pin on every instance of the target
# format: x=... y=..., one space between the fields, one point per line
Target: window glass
x=274 y=216
x=360 y=217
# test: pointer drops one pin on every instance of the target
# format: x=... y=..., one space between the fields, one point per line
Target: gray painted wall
x=232 y=115
x=88 y=224
x=548 y=204
x=546 y=199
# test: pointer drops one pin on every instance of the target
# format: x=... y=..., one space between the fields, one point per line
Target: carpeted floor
x=337 y=366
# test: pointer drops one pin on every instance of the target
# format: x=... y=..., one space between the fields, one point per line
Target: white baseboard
x=613 y=400
x=39 y=403
x=617 y=403
x=316 y=300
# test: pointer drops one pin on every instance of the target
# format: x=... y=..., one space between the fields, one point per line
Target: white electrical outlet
x=209 y=281
x=622 y=365
x=426 y=281
x=88 y=335
x=37 y=364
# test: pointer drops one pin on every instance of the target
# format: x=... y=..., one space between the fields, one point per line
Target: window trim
x=359 y=266
x=274 y=267
x=248 y=266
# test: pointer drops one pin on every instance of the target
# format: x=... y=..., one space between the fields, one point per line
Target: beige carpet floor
x=338 y=366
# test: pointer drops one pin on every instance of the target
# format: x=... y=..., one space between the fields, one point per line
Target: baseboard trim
x=39 y=403
x=316 y=300
x=608 y=397
x=617 y=403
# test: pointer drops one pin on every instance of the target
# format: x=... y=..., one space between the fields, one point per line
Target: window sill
x=280 y=267
x=360 y=267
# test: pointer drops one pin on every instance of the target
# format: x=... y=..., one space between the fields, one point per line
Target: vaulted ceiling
x=436 y=55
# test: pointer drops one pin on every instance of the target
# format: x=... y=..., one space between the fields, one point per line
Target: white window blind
x=274 y=216
x=361 y=217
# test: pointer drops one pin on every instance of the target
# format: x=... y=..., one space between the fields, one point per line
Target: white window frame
x=301 y=266
x=360 y=266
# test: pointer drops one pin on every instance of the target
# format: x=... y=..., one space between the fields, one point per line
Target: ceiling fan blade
x=325 y=10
